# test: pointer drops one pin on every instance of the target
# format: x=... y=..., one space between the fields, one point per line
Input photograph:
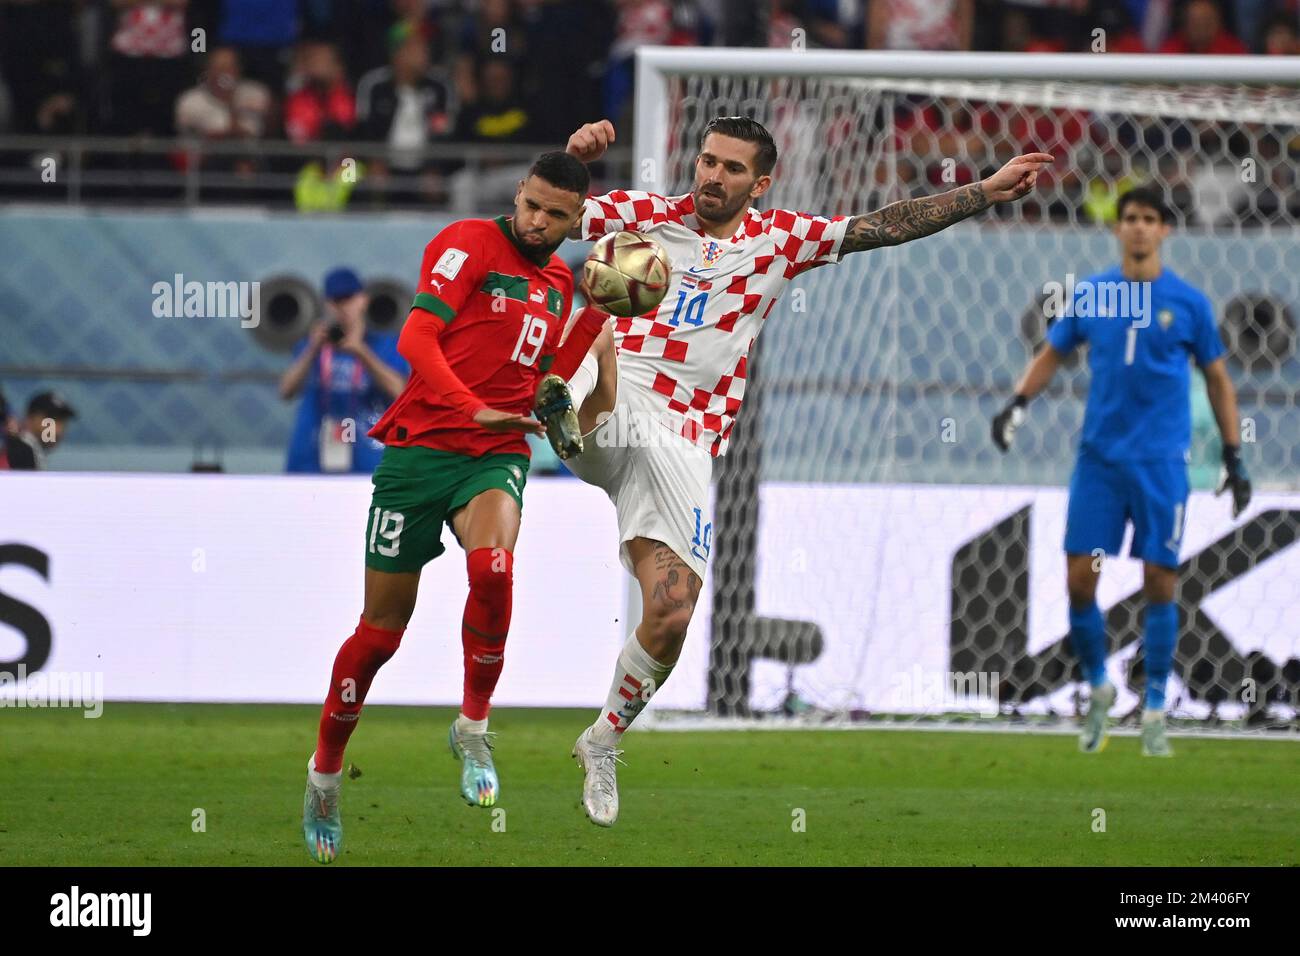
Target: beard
x=541 y=251
x=723 y=211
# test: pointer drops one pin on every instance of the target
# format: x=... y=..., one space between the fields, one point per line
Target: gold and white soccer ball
x=627 y=273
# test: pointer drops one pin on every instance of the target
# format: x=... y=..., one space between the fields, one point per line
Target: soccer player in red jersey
x=483 y=331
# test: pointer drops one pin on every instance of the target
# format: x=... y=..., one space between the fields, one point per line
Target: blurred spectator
x=321 y=105
x=1275 y=200
x=348 y=376
x=831 y=24
x=499 y=115
x=326 y=186
x=493 y=31
x=1280 y=36
x=1100 y=201
x=1127 y=26
x=920 y=24
x=262 y=31
x=46 y=422
x=224 y=105
x=430 y=20
x=948 y=128
x=1250 y=19
x=1154 y=19
x=639 y=24
x=560 y=80
x=1132 y=26
x=405 y=104
x=1202 y=32
x=363 y=29
x=148 y=65
x=41 y=65
x=1020 y=36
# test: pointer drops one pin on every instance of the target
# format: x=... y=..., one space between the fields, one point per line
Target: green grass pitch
x=121 y=790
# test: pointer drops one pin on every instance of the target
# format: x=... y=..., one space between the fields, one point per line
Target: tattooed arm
x=917 y=218
x=913 y=218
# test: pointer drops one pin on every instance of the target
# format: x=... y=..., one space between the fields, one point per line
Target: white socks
x=466 y=726
x=583 y=382
x=636 y=678
x=323 y=781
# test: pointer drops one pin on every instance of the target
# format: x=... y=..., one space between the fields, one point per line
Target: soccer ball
x=627 y=273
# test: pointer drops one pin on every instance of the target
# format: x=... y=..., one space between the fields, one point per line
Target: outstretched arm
x=910 y=219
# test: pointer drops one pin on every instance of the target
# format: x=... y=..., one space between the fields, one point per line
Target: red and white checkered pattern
x=152 y=30
x=699 y=370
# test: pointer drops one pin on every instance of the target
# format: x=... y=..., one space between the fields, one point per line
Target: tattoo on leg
x=671 y=588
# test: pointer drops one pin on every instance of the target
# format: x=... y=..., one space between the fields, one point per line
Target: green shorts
x=417 y=489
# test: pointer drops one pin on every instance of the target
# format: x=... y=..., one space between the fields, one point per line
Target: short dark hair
x=1151 y=196
x=562 y=171
x=50 y=405
x=749 y=130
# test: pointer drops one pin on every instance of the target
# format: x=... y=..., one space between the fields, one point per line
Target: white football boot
x=600 y=788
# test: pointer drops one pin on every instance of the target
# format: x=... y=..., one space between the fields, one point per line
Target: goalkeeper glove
x=1007 y=421
x=1233 y=475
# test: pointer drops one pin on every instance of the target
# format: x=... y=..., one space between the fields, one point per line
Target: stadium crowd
x=423 y=79
x=490 y=71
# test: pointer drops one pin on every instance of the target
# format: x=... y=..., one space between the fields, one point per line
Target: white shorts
x=658 y=480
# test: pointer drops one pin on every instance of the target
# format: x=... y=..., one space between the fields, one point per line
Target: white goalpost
x=876 y=560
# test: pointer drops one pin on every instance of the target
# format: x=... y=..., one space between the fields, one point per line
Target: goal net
x=875 y=557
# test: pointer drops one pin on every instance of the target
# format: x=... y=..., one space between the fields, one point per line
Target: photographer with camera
x=347 y=376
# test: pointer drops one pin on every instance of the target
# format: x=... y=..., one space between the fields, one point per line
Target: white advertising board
x=229 y=588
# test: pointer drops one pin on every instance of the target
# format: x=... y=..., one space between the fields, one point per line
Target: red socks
x=483 y=635
x=358 y=660
x=575 y=348
x=485 y=625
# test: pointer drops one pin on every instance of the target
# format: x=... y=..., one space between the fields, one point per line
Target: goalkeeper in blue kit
x=1142 y=323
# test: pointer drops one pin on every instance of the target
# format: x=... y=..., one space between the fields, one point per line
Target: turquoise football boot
x=478 y=775
x=322 y=827
x=1094 y=735
x=1154 y=741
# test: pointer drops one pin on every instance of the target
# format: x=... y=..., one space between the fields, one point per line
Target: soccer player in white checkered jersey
x=661 y=391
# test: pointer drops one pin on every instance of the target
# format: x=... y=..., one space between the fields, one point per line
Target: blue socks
x=1158 y=641
x=1088 y=640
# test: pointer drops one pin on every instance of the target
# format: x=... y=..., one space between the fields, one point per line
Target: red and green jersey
x=504 y=317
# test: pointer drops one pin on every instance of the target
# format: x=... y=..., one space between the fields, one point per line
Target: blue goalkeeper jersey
x=1140 y=337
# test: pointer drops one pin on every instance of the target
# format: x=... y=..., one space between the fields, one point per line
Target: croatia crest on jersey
x=710 y=253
